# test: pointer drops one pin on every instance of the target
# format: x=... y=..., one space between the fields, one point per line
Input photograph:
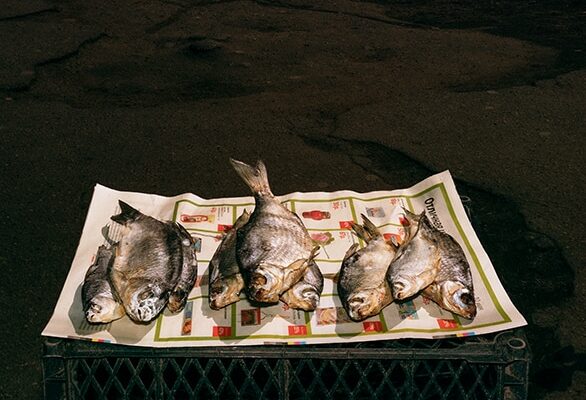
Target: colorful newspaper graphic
x=327 y=217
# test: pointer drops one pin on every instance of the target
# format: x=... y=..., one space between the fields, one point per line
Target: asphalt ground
x=155 y=96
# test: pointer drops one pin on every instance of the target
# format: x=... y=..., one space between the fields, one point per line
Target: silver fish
x=417 y=261
x=305 y=294
x=99 y=303
x=188 y=276
x=452 y=288
x=149 y=264
x=226 y=281
x=273 y=249
x=362 y=286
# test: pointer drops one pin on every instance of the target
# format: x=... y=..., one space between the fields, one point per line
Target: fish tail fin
x=369 y=227
x=255 y=177
x=127 y=214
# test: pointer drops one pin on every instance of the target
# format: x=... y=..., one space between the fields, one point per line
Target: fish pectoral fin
x=432 y=291
x=297 y=265
x=314 y=253
x=427 y=277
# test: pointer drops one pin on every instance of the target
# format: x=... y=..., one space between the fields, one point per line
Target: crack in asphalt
x=54 y=60
x=33 y=14
x=388 y=21
x=183 y=9
x=374 y=158
x=72 y=53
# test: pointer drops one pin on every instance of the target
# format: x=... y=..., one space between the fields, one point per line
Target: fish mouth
x=147 y=303
x=103 y=310
x=223 y=293
x=402 y=289
x=362 y=306
x=463 y=302
x=264 y=286
x=302 y=297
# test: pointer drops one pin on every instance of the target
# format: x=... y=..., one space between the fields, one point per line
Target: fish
x=274 y=248
x=362 y=284
x=452 y=288
x=417 y=260
x=148 y=266
x=178 y=297
x=305 y=294
x=99 y=302
x=226 y=281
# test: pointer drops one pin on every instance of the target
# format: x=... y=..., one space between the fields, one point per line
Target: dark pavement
x=155 y=96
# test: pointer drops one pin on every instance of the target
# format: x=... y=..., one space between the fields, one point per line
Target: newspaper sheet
x=327 y=217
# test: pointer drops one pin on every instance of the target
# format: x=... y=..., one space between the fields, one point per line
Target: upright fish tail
x=127 y=214
x=255 y=177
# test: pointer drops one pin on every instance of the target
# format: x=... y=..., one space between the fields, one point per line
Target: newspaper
x=327 y=217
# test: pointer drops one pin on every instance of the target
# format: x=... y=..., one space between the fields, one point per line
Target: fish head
x=403 y=287
x=103 y=309
x=145 y=300
x=412 y=275
x=458 y=298
x=365 y=303
x=302 y=296
x=265 y=284
x=225 y=291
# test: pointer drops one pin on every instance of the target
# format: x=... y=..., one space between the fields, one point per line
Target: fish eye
x=216 y=290
x=145 y=295
x=258 y=280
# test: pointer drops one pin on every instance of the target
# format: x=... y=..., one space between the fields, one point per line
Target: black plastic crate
x=492 y=366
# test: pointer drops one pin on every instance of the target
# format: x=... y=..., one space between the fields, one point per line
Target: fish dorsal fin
x=360 y=231
x=127 y=214
x=314 y=253
x=242 y=220
x=350 y=251
x=369 y=227
x=414 y=221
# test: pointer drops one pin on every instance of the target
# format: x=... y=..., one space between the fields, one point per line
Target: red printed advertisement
x=222 y=331
x=372 y=326
x=297 y=330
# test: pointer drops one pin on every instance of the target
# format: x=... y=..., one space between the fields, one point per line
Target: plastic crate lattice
x=484 y=367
